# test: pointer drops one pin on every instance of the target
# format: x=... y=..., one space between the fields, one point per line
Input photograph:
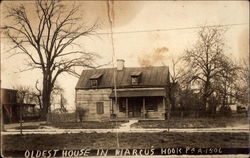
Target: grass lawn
x=88 y=125
x=126 y=140
x=177 y=122
x=74 y=125
x=28 y=127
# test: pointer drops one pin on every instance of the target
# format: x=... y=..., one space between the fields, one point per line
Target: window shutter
x=99 y=108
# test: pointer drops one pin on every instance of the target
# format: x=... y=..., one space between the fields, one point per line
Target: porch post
x=164 y=106
x=126 y=107
x=112 y=106
x=143 y=107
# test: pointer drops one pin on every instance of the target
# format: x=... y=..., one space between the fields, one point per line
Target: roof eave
x=126 y=86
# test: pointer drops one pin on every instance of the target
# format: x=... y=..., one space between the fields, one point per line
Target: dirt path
x=17 y=125
x=127 y=125
x=124 y=128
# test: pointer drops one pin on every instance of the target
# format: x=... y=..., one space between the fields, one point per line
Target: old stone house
x=136 y=92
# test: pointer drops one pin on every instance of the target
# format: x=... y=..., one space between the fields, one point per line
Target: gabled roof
x=96 y=76
x=150 y=77
x=136 y=73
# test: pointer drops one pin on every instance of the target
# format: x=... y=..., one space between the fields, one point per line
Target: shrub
x=225 y=110
x=81 y=113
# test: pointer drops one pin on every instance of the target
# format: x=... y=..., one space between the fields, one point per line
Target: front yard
x=88 y=125
x=94 y=140
x=68 y=125
x=177 y=122
x=174 y=122
x=126 y=140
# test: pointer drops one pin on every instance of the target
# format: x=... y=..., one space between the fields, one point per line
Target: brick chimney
x=120 y=64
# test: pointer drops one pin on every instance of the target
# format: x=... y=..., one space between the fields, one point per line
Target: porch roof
x=139 y=92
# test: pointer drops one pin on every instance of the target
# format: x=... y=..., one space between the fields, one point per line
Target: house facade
x=11 y=107
x=123 y=93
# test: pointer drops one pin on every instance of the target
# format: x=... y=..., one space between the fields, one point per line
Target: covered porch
x=139 y=103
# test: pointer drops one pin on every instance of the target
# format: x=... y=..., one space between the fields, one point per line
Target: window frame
x=151 y=104
x=122 y=105
x=152 y=107
x=94 y=83
x=134 y=80
x=99 y=108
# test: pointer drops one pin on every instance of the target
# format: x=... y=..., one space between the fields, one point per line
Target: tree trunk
x=46 y=93
x=44 y=110
x=205 y=97
x=204 y=103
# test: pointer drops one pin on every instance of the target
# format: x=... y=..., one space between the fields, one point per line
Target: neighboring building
x=11 y=107
x=140 y=92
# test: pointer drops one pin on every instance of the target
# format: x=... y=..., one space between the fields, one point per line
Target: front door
x=134 y=107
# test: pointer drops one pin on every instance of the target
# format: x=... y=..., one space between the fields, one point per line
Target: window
x=95 y=79
x=134 y=80
x=152 y=103
x=122 y=105
x=151 y=107
x=99 y=108
x=94 y=83
x=135 y=77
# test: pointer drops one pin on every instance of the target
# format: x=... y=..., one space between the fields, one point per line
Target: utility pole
x=21 y=118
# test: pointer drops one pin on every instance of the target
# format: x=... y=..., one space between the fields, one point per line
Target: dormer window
x=135 y=78
x=93 y=83
x=94 y=80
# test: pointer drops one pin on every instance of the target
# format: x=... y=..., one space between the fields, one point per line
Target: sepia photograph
x=113 y=78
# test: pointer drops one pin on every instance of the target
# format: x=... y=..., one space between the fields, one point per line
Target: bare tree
x=44 y=38
x=26 y=94
x=207 y=62
x=224 y=84
x=242 y=83
x=22 y=93
x=38 y=95
x=244 y=72
x=176 y=78
x=176 y=71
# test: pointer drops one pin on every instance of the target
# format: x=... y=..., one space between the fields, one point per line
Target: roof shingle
x=150 y=77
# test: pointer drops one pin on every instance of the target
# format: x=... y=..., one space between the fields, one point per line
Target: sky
x=145 y=32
